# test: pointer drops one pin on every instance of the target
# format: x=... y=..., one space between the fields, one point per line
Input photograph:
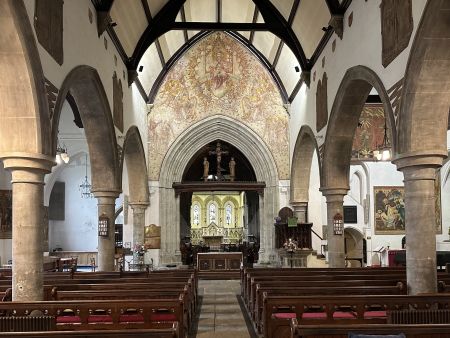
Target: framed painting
x=389 y=210
x=5 y=214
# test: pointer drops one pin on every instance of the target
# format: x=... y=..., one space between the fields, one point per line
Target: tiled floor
x=220 y=313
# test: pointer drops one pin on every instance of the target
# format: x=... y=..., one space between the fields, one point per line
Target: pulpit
x=301 y=233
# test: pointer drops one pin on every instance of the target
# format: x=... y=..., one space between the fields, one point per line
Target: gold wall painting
x=370 y=132
x=389 y=210
x=218 y=76
x=152 y=236
x=5 y=214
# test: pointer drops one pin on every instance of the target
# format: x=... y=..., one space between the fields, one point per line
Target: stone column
x=336 y=248
x=27 y=171
x=138 y=222
x=420 y=222
x=301 y=211
x=45 y=224
x=106 y=244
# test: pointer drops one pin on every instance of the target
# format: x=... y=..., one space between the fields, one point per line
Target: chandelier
x=61 y=153
x=383 y=153
x=85 y=186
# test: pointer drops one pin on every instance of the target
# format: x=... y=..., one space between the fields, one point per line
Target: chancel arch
x=302 y=158
x=179 y=157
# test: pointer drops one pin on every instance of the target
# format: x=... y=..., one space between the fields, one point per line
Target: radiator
x=439 y=316
x=27 y=323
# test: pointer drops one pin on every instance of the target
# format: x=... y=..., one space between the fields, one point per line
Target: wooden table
x=219 y=261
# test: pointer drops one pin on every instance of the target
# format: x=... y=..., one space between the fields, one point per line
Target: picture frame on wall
x=5 y=214
x=389 y=209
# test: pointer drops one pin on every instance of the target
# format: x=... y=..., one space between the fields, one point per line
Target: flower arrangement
x=290 y=245
x=140 y=249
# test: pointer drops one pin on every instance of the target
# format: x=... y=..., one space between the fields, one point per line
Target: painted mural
x=218 y=76
x=370 y=132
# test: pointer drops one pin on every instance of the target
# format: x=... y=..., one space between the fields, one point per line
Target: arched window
x=228 y=214
x=212 y=213
x=196 y=214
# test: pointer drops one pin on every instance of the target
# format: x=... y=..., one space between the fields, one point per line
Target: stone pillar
x=27 y=171
x=336 y=247
x=420 y=222
x=138 y=222
x=301 y=211
x=106 y=244
x=45 y=224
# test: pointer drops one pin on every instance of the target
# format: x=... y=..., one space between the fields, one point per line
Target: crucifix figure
x=219 y=152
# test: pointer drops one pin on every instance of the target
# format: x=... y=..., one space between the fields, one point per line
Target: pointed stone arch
x=86 y=88
x=425 y=99
x=351 y=96
x=24 y=117
x=185 y=147
x=302 y=158
x=134 y=156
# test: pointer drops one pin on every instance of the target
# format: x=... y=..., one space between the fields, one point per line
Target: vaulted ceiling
x=286 y=35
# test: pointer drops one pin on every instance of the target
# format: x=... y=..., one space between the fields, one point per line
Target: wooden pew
x=171 y=332
x=257 y=314
x=338 y=310
x=342 y=331
x=107 y=314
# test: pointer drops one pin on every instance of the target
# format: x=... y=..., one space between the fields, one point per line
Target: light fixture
x=384 y=150
x=61 y=153
x=85 y=186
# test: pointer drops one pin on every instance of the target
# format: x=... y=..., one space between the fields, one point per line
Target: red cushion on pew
x=163 y=317
x=375 y=314
x=68 y=320
x=314 y=315
x=100 y=319
x=284 y=315
x=135 y=318
x=344 y=315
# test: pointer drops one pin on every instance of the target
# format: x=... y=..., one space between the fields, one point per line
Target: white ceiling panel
x=284 y=7
x=237 y=10
x=200 y=10
x=152 y=68
x=311 y=16
x=170 y=43
x=245 y=34
x=156 y=5
x=286 y=69
x=267 y=44
x=131 y=22
x=192 y=33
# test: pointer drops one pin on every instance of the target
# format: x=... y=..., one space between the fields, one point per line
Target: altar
x=219 y=261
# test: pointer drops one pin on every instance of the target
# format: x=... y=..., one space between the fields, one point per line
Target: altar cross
x=219 y=152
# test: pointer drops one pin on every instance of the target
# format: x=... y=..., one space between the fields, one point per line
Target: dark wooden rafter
x=219 y=11
x=102 y=7
x=161 y=24
x=279 y=26
x=199 y=36
x=180 y=187
x=220 y=26
x=292 y=14
x=183 y=19
x=141 y=89
x=295 y=90
x=148 y=14
x=333 y=6
x=254 y=20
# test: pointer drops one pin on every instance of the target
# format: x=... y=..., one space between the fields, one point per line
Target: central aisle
x=220 y=312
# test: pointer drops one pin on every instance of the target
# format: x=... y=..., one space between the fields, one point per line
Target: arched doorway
x=179 y=158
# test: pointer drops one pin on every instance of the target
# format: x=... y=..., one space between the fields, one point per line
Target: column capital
x=138 y=206
x=27 y=167
x=328 y=192
x=419 y=159
x=106 y=197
